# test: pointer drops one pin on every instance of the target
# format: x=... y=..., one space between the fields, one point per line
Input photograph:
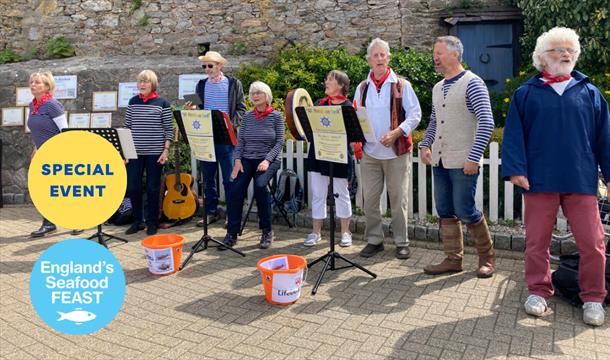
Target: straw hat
x=213 y=56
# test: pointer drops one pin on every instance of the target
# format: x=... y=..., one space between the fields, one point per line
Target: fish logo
x=77 y=316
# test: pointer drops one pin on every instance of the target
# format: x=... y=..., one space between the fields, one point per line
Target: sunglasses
x=209 y=66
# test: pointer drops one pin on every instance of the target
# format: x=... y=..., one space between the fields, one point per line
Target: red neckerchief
x=152 y=95
x=329 y=99
x=38 y=103
x=379 y=83
x=218 y=78
x=261 y=115
x=550 y=79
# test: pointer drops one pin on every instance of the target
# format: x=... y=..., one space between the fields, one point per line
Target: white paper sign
x=12 y=116
x=80 y=121
x=365 y=125
x=101 y=120
x=104 y=101
x=187 y=84
x=24 y=96
x=65 y=87
x=127 y=90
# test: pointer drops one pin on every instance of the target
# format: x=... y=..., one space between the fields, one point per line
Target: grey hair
x=264 y=88
x=453 y=43
x=377 y=42
x=556 y=34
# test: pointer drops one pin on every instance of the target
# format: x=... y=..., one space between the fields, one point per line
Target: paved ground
x=215 y=308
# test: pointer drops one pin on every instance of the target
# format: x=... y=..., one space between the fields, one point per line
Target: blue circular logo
x=77 y=286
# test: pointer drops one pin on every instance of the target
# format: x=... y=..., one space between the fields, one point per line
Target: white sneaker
x=346 y=239
x=312 y=239
x=535 y=305
x=593 y=313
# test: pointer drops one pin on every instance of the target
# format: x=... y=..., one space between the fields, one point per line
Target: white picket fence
x=294 y=159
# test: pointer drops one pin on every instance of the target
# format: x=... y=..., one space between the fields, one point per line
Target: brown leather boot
x=482 y=241
x=453 y=245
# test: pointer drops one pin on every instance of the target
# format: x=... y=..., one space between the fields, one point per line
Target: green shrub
x=59 y=47
x=590 y=19
x=135 y=5
x=306 y=67
x=143 y=21
x=9 y=56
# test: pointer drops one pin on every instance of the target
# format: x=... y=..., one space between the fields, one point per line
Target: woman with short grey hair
x=257 y=156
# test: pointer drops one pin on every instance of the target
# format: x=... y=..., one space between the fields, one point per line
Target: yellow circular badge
x=77 y=179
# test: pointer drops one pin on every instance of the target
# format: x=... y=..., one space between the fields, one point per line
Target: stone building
x=114 y=39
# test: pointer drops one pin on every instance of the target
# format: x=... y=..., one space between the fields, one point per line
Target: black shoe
x=76 y=232
x=403 y=252
x=44 y=229
x=229 y=241
x=151 y=229
x=370 y=250
x=134 y=228
x=266 y=239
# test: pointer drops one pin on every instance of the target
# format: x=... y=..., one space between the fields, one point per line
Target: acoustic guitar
x=180 y=202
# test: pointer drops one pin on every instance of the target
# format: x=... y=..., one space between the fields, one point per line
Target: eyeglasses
x=254 y=93
x=561 y=50
x=209 y=66
x=143 y=81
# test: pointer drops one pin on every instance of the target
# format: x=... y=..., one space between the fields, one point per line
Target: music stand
x=112 y=136
x=223 y=135
x=354 y=134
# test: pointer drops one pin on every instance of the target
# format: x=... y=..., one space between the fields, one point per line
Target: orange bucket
x=163 y=253
x=282 y=277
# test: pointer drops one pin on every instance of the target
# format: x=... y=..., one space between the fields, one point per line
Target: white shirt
x=378 y=112
x=559 y=87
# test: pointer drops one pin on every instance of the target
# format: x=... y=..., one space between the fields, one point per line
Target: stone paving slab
x=215 y=308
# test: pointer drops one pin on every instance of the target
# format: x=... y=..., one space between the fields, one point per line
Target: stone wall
x=179 y=27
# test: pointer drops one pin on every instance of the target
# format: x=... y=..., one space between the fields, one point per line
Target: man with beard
x=460 y=126
x=557 y=134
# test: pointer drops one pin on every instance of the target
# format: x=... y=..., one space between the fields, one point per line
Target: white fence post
x=493 y=181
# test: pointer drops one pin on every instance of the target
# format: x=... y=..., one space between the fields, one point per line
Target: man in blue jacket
x=557 y=136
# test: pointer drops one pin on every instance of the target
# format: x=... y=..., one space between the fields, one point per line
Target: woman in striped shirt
x=257 y=156
x=150 y=119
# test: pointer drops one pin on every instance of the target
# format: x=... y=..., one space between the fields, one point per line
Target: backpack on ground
x=289 y=192
x=565 y=279
x=124 y=215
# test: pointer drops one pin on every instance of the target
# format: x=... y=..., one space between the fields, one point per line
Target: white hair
x=377 y=42
x=262 y=87
x=453 y=43
x=556 y=34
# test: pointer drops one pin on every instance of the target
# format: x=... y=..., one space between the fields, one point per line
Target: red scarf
x=152 y=95
x=218 y=78
x=554 y=79
x=38 y=103
x=379 y=83
x=329 y=99
x=261 y=115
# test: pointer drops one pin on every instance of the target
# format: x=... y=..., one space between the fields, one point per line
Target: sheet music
x=127 y=145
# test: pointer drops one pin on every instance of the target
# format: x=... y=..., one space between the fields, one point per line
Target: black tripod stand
x=353 y=134
x=100 y=237
x=202 y=244
x=332 y=255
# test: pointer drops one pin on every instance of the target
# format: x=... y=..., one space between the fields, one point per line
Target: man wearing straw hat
x=225 y=93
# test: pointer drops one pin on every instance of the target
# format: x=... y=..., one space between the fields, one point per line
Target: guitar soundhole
x=178 y=201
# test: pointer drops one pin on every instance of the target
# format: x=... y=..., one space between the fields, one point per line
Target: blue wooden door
x=488 y=51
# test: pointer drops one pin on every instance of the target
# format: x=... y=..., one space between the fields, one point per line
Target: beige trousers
x=396 y=173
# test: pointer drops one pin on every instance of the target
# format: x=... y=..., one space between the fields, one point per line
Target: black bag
x=289 y=192
x=124 y=215
x=565 y=279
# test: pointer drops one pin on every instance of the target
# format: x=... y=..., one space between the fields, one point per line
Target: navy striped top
x=48 y=122
x=150 y=123
x=477 y=101
x=260 y=139
x=217 y=95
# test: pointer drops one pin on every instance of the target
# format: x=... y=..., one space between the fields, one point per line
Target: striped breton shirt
x=477 y=102
x=150 y=123
x=48 y=121
x=260 y=139
x=217 y=95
